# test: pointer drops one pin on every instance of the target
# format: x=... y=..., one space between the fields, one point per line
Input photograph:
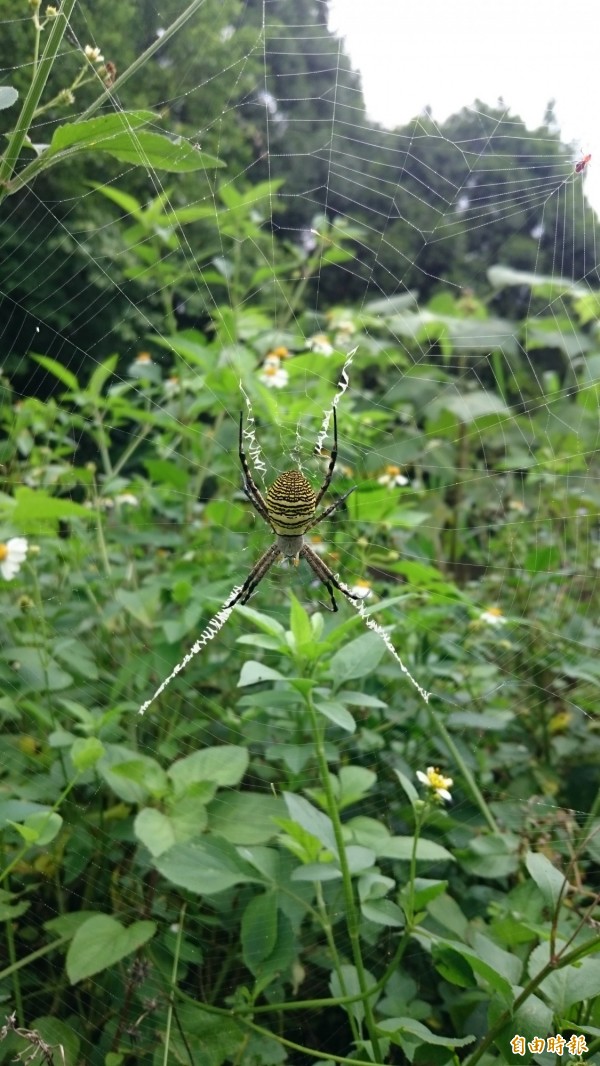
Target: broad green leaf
x=57 y=1035
x=354 y=783
x=335 y=712
x=85 y=752
x=312 y=820
x=142 y=604
x=155 y=831
x=206 y=867
x=36 y=512
x=253 y=673
x=8 y=96
x=224 y=765
x=154 y=150
x=39 y=829
x=93 y=132
x=101 y=942
x=133 y=777
x=359 y=658
x=549 y=880
x=383 y=912
x=401 y=847
x=36 y=670
x=259 y=930
x=245 y=817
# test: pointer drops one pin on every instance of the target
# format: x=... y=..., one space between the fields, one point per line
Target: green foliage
x=262 y=868
x=244 y=811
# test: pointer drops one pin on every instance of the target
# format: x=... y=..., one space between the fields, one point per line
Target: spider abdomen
x=291 y=503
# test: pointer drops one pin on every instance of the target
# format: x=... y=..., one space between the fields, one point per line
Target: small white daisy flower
x=127 y=497
x=493 y=617
x=273 y=374
x=93 y=54
x=320 y=344
x=12 y=556
x=436 y=781
x=393 y=477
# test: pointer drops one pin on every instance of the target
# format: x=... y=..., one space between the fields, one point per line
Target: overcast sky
x=447 y=53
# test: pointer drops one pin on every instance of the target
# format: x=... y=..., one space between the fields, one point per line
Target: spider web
x=434 y=388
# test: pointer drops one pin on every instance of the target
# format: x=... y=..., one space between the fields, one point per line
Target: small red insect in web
x=582 y=163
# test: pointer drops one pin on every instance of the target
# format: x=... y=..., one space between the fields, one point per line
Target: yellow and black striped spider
x=290 y=510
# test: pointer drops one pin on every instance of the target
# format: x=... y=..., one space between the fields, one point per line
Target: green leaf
x=300 y=624
x=357 y=659
x=57 y=1035
x=133 y=777
x=37 y=671
x=259 y=930
x=401 y=847
x=36 y=512
x=58 y=370
x=336 y=713
x=154 y=150
x=155 y=830
x=224 y=765
x=39 y=829
x=354 y=783
x=312 y=820
x=86 y=752
x=101 y=375
x=92 y=132
x=8 y=96
x=245 y=817
x=253 y=673
x=101 y=942
x=383 y=912
x=205 y=867
x=549 y=880
x=409 y=788
x=142 y=604
x=396 y=1027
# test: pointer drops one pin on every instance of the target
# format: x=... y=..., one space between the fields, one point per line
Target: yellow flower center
x=3 y=552
x=436 y=779
x=392 y=471
x=494 y=611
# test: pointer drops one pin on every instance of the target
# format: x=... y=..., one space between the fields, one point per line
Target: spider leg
x=332 y=462
x=325 y=575
x=250 y=487
x=256 y=575
x=329 y=510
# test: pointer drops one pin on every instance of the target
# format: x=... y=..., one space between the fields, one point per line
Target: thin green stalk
x=476 y=794
x=551 y=966
x=352 y=921
x=337 y=962
x=32 y=99
x=16 y=981
x=173 y=984
x=34 y=956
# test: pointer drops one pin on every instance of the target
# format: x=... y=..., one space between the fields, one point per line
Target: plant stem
x=352 y=921
x=476 y=794
x=38 y=84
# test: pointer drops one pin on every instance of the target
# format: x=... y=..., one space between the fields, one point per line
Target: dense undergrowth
x=267 y=867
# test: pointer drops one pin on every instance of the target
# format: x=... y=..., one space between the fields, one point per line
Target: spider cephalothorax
x=290 y=509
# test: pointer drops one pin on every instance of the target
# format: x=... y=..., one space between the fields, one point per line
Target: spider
x=582 y=163
x=289 y=508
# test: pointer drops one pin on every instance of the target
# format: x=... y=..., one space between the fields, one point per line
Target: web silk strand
x=216 y=623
